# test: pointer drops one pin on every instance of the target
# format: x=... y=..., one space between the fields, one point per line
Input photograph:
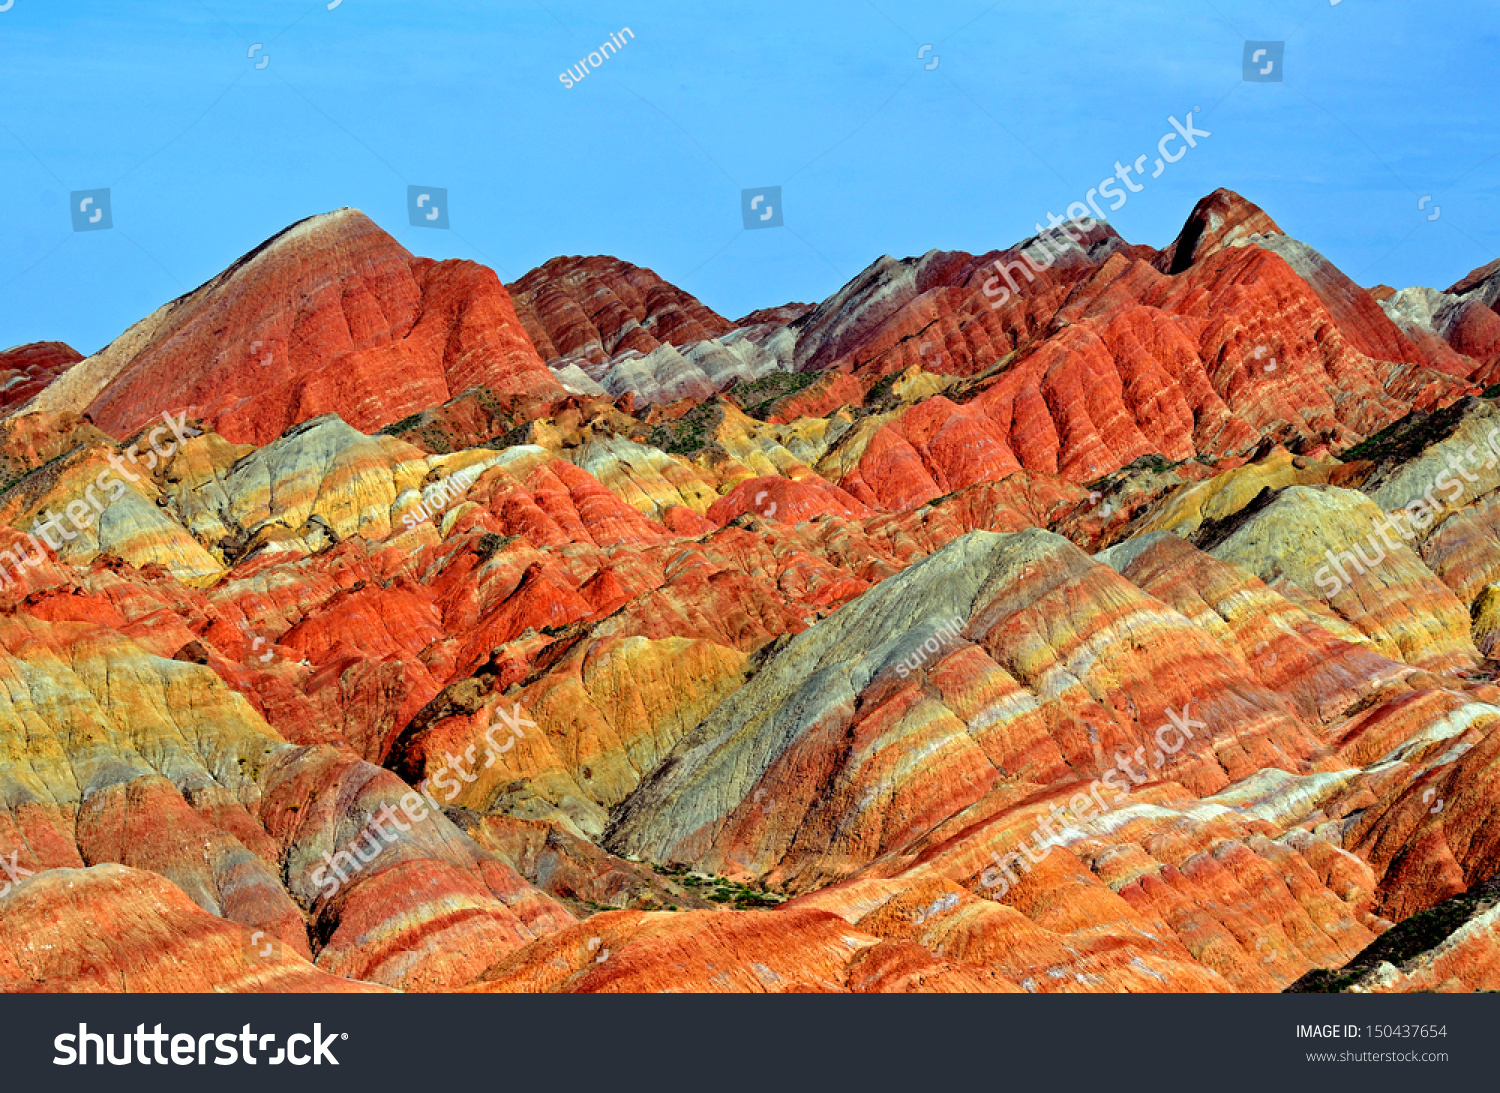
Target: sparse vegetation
x=689 y=433
x=1407 y=438
x=516 y=435
x=742 y=897
x=1409 y=938
x=39 y=467
x=757 y=396
x=881 y=390
x=491 y=544
x=401 y=426
x=1153 y=462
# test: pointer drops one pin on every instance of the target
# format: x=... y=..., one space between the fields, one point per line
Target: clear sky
x=1028 y=106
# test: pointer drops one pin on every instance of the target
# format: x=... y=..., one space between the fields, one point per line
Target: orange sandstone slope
x=895 y=642
x=329 y=316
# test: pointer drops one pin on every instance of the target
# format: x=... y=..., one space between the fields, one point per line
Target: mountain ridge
x=836 y=647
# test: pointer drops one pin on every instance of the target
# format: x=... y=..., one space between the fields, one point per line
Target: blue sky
x=1029 y=105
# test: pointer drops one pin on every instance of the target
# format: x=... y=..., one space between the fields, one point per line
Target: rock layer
x=1072 y=617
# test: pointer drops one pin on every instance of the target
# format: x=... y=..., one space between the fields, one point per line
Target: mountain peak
x=597 y=307
x=1217 y=221
x=329 y=315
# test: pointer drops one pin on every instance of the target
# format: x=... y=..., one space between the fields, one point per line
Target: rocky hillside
x=1076 y=616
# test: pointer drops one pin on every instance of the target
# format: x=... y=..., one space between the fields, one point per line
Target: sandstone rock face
x=27 y=369
x=593 y=308
x=110 y=928
x=1466 y=324
x=626 y=330
x=178 y=775
x=359 y=327
x=1327 y=544
x=1220 y=220
x=1450 y=948
x=1071 y=617
x=1483 y=284
x=1464 y=318
x=972 y=623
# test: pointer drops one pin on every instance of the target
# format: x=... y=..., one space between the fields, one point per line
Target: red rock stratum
x=1129 y=629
